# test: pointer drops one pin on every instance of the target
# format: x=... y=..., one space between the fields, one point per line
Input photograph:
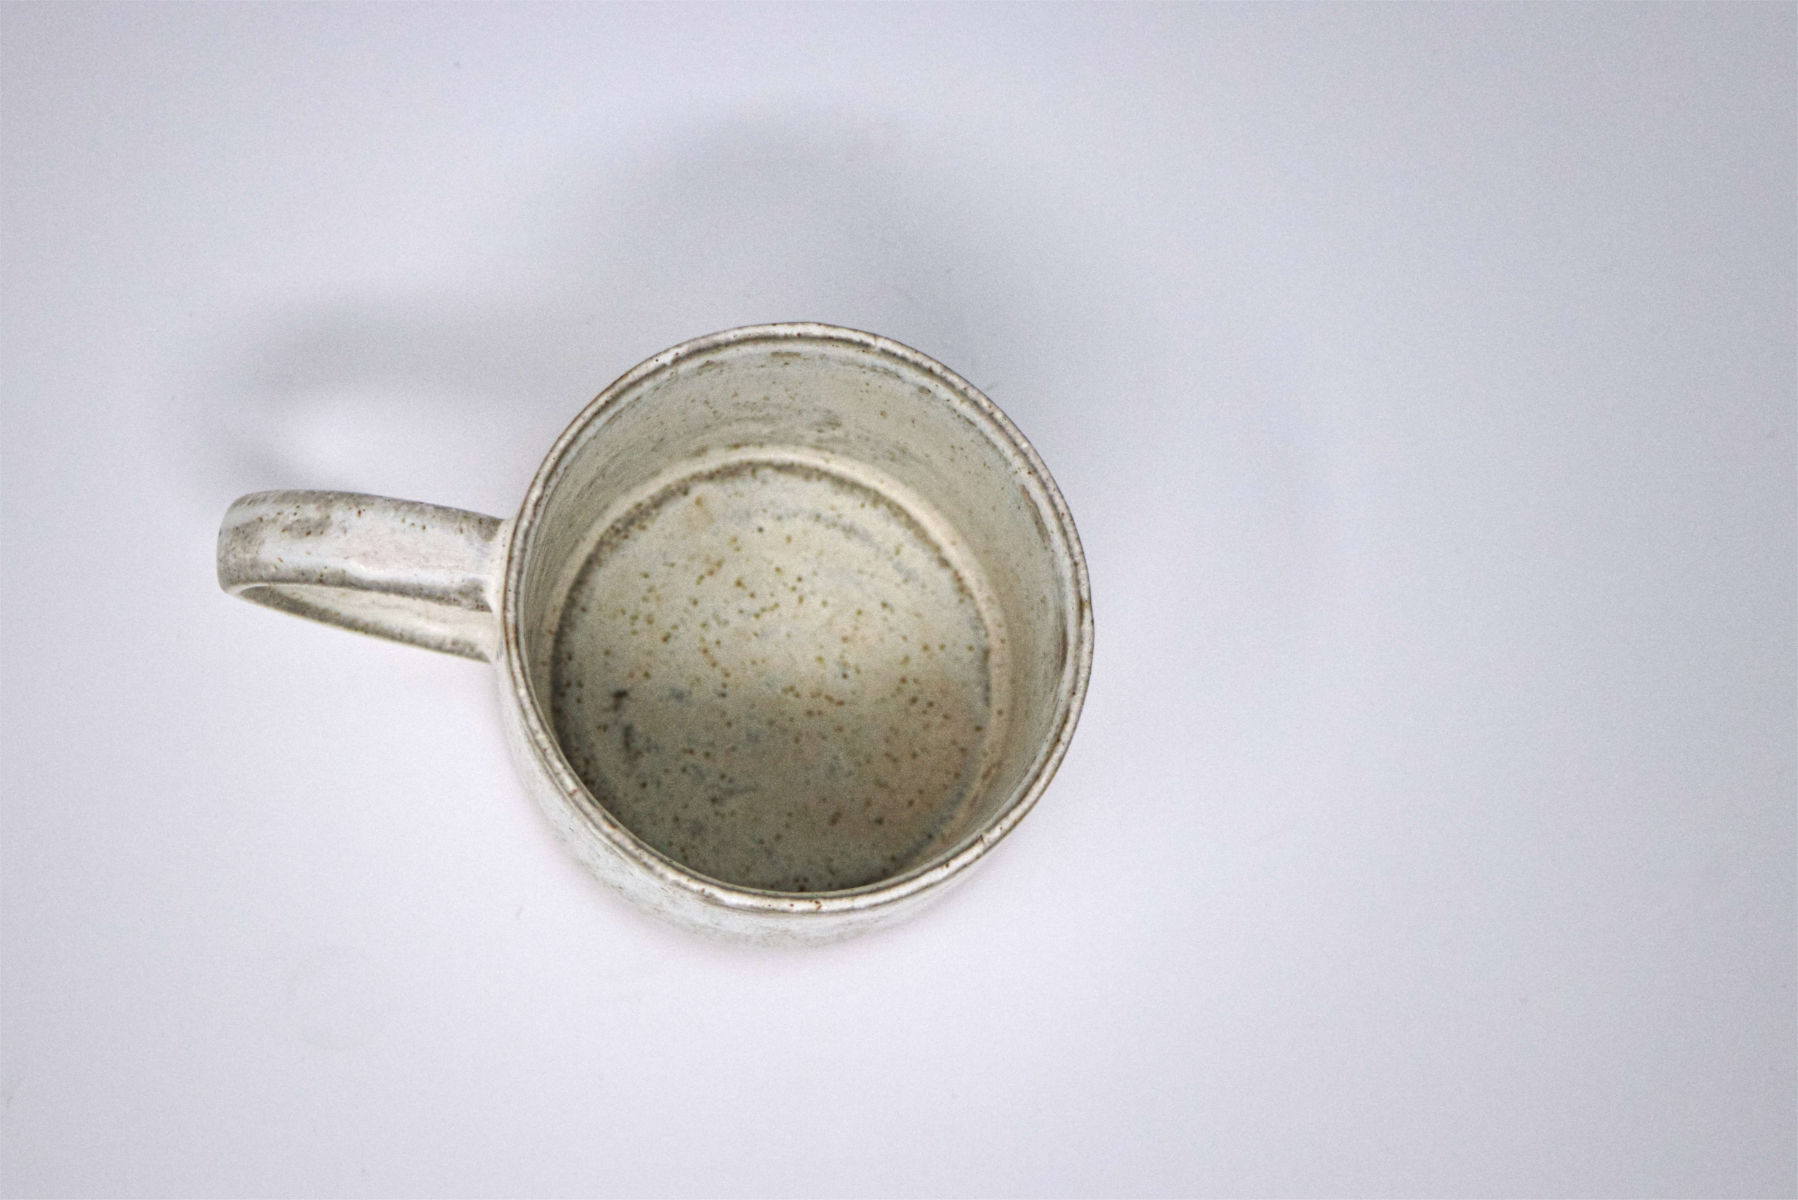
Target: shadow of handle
x=398 y=569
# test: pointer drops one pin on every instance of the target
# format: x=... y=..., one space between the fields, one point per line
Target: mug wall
x=860 y=407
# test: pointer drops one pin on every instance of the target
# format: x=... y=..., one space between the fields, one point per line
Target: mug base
x=779 y=673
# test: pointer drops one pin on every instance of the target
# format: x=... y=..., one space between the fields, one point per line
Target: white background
x=1421 y=380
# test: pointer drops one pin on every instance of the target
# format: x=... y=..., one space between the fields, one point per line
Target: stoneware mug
x=792 y=627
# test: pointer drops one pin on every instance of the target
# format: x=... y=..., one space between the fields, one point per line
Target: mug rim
x=1070 y=693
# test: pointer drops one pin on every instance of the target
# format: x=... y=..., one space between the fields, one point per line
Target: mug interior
x=800 y=609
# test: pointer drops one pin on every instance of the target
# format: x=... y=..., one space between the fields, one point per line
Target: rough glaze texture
x=793 y=625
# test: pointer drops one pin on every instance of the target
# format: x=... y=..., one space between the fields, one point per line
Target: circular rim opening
x=1070 y=692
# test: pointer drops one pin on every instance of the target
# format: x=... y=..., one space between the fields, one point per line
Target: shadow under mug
x=792 y=627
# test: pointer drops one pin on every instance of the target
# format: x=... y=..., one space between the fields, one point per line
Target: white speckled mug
x=792 y=627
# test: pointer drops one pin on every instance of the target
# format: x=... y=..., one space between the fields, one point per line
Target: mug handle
x=411 y=572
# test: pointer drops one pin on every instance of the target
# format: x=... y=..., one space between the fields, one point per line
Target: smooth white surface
x=1421 y=379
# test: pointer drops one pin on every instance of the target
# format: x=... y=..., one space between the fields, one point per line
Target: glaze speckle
x=773 y=674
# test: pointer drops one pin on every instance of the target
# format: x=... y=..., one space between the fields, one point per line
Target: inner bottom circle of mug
x=774 y=675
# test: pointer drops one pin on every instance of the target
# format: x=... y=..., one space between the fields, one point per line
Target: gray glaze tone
x=792 y=627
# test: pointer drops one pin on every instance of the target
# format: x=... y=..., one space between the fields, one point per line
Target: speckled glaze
x=792 y=626
x=759 y=615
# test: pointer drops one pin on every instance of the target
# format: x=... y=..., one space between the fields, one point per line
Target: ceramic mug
x=792 y=627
